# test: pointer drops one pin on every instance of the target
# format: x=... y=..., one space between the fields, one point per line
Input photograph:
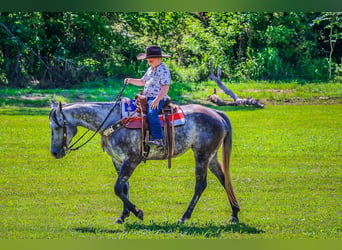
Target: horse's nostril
x=54 y=154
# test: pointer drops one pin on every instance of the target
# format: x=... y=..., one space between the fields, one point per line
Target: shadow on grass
x=25 y=111
x=207 y=230
x=186 y=101
x=93 y=230
x=233 y=108
x=226 y=108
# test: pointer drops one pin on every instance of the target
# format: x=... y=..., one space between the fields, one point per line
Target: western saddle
x=169 y=128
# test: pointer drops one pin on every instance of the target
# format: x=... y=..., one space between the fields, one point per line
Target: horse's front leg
x=121 y=187
x=125 y=212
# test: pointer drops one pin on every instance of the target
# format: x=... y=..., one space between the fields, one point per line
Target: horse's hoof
x=119 y=221
x=181 y=221
x=140 y=214
x=233 y=219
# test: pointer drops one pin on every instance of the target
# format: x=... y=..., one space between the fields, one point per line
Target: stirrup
x=156 y=143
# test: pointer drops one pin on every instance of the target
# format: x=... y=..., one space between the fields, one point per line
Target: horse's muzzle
x=59 y=154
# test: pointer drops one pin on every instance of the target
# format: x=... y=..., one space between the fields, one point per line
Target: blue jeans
x=153 y=119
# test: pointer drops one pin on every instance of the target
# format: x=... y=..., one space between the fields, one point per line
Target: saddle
x=141 y=103
x=134 y=116
x=169 y=137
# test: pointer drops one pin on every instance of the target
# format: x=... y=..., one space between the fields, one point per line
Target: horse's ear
x=53 y=104
x=60 y=107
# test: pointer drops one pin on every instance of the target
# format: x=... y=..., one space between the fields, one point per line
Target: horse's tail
x=226 y=152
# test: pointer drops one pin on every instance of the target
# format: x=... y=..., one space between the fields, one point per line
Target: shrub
x=338 y=73
x=184 y=74
x=314 y=69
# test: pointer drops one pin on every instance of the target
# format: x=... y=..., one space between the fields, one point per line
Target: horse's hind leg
x=125 y=212
x=201 y=184
x=215 y=168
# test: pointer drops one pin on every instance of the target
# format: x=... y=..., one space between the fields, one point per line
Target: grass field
x=286 y=170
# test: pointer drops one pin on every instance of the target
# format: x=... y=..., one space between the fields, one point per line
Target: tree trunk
x=332 y=45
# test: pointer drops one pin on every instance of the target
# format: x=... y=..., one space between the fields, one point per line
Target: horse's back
x=202 y=115
x=205 y=128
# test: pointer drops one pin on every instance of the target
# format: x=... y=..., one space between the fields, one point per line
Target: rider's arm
x=136 y=82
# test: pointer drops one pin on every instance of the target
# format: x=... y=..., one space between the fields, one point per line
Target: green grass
x=286 y=170
x=181 y=92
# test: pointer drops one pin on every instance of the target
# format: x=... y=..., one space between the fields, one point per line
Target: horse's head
x=62 y=131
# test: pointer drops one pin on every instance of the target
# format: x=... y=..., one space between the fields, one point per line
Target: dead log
x=237 y=101
x=216 y=99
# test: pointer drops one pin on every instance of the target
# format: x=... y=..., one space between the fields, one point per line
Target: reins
x=71 y=148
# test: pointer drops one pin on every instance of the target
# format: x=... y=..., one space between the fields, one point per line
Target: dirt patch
x=276 y=91
x=34 y=97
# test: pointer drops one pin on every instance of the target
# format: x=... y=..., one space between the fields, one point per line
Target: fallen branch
x=237 y=101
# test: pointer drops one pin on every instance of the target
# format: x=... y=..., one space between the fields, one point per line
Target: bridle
x=65 y=143
x=64 y=125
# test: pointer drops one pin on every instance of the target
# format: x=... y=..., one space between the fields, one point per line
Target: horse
x=204 y=131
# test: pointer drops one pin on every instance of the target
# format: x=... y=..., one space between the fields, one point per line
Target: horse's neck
x=91 y=115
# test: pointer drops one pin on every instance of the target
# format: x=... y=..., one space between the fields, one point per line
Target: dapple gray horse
x=205 y=130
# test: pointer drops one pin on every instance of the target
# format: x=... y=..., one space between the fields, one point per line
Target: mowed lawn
x=286 y=170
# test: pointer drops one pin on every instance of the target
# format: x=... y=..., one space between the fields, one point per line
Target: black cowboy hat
x=152 y=51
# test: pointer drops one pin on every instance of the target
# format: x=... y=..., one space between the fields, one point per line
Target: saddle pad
x=128 y=107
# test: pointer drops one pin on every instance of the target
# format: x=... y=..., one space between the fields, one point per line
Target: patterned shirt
x=154 y=79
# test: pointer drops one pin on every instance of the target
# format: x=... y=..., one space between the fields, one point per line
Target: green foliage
x=315 y=69
x=184 y=74
x=332 y=22
x=264 y=65
x=285 y=167
x=338 y=74
x=62 y=49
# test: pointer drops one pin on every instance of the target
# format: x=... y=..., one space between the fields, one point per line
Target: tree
x=333 y=22
x=61 y=49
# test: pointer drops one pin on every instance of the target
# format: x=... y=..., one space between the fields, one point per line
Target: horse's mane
x=53 y=115
x=53 y=111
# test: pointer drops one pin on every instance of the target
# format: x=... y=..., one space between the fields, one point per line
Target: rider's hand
x=127 y=80
x=155 y=103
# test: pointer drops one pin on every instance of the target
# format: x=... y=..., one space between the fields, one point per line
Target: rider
x=156 y=82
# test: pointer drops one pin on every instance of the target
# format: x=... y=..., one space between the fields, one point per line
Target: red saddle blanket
x=128 y=108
